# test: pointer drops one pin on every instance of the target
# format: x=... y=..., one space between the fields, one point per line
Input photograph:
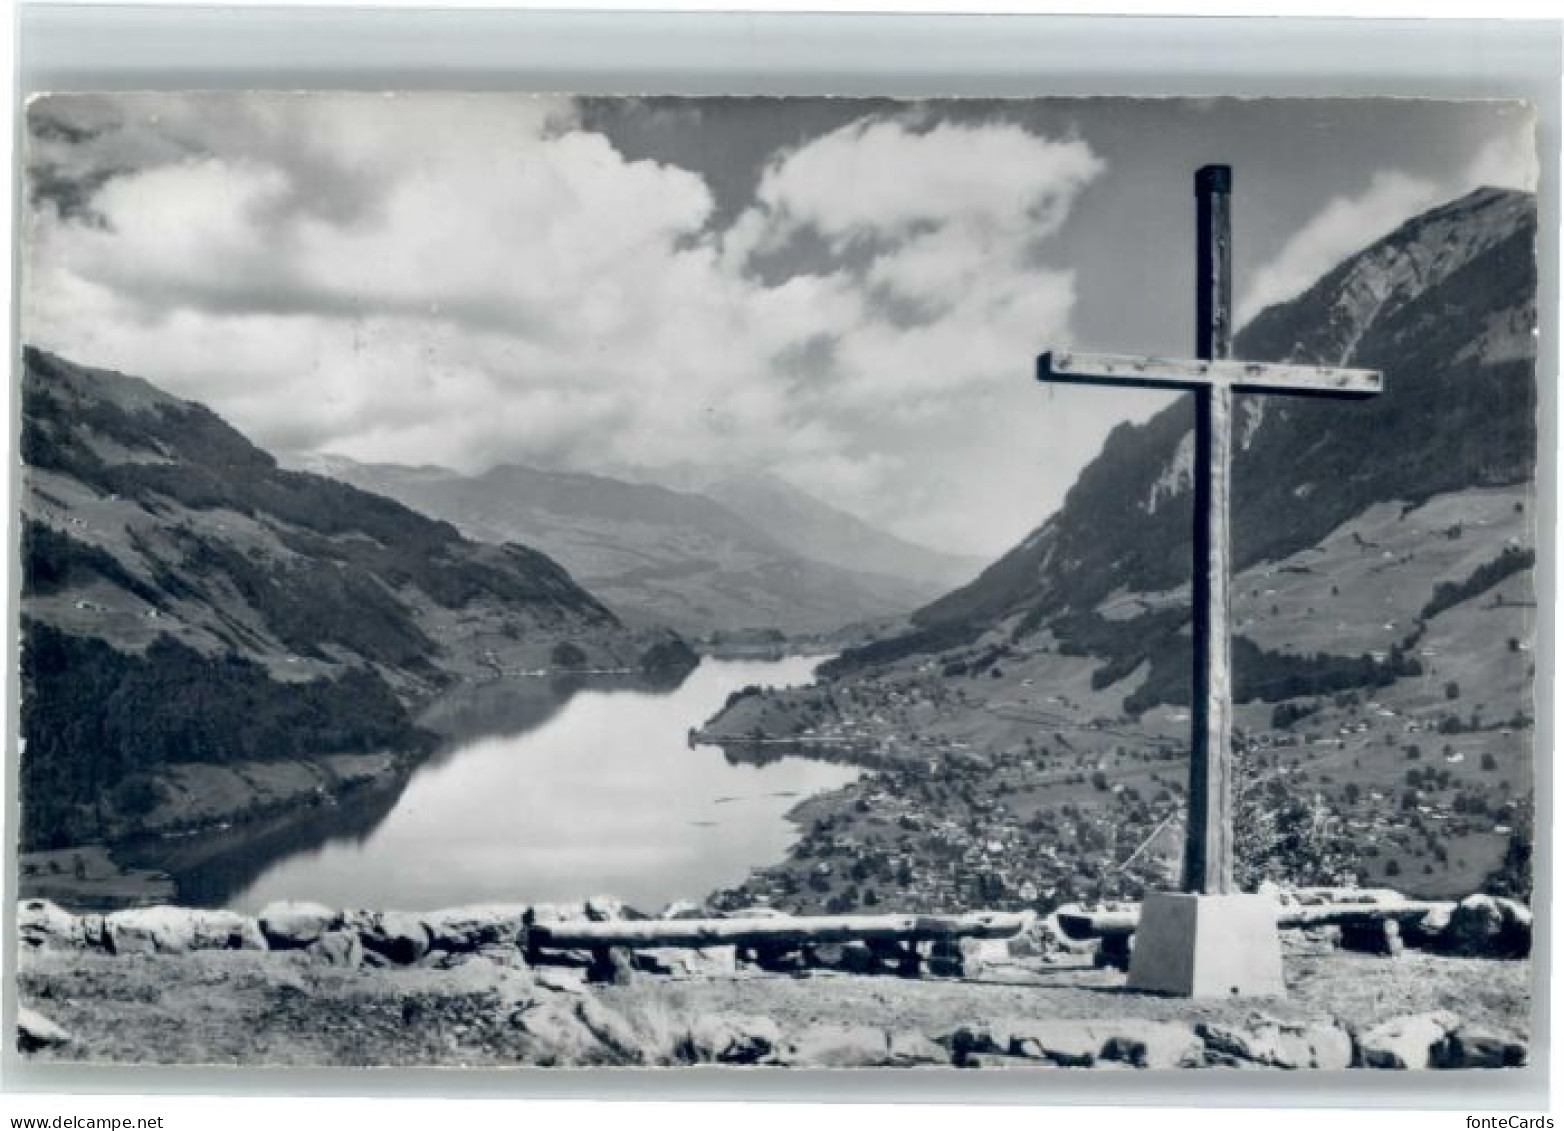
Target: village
x=1353 y=792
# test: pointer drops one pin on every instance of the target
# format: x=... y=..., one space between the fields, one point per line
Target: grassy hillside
x=185 y=600
x=657 y=555
x=1384 y=625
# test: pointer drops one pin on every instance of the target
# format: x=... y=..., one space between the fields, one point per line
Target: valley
x=1003 y=775
x=714 y=557
x=189 y=604
x=1022 y=740
x=1027 y=733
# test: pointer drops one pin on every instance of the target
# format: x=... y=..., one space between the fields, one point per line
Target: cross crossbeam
x=1178 y=373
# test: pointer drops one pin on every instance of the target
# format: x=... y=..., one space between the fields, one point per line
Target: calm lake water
x=600 y=793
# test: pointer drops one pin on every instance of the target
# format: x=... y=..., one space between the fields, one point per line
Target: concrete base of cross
x=1207 y=946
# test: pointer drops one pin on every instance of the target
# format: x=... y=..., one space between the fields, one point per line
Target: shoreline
x=208 y=812
x=118 y=872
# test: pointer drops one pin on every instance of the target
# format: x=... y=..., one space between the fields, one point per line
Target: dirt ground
x=248 y=1008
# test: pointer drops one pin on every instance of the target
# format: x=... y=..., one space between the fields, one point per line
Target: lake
x=541 y=797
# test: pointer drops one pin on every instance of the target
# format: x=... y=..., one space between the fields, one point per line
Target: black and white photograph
x=518 y=580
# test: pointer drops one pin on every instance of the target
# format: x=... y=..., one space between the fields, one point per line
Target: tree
x=568 y=655
x=1513 y=877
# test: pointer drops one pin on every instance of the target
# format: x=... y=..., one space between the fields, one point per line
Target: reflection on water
x=539 y=798
x=208 y=868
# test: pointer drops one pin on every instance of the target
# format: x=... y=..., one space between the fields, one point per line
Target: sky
x=847 y=293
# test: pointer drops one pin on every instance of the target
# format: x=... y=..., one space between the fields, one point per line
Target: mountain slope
x=815 y=529
x=185 y=599
x=1383 y=609
x=1444 y=305
x=654 y=554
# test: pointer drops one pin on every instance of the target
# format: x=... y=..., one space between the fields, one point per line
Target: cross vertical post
x=1208 y=849
x=1209 y=940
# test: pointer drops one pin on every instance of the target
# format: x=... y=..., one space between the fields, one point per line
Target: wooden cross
x=1208 y=853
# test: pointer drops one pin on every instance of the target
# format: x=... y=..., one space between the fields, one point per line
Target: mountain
x=653 y=554
x=812 y=528
x=1444 y=306
x=1384 y=608
x=186 y=600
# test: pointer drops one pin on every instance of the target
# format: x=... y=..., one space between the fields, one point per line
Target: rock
x=1330 y=1047
x=909 y=1049
x=47 y=926
x=1074 y=1044
x=1405 y=1042
x=149 y=930
x=557 y=1035
x=1323 y=939
x=1373 y=936
x=337 y=948
x=1152 y=1044
x=614 y=965
x=93 y=936
x=1472 y=1046
x=604 y=908
x=686 y=962
x=732 y=1038
x=396 y=935
x=500 y=954
x=554 y=912
x=712 y=961
x=979 y=955
x=779 y=959
x=974 y=1040
x=1238 y=1045
x=1486 y=926
x=853 y=957
x=292 y=925
x=826 y=956
x=614 y=1032
x=1274 y=1044
x=942 y=966
x=992 y=1060
x=175 y=930
x=227 y=930
x=34 y=1031
x=1044 y=938
x=1428 y=932
x=1114 y=952
x=837 y=1046
x=560 y=980
x=445 y=960
x=863 y=958
x=464 y=929
x=575 y=958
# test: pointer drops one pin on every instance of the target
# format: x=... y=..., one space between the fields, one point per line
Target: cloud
x=1347 y=224
x=1344 y=226
x=1507 y=161
x=882 y=177
x=475 y=279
